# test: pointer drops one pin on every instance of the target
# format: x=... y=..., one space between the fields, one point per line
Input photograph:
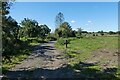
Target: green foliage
x=111 y=32
x=5 y=6
x=65 y=30
x=94 y=34
x=30 y=28
x=61 y=41
x=101 y=32
x=51 y=37
x=79 y=33
x=44 y=31
x=10 y=30
x=19 y=53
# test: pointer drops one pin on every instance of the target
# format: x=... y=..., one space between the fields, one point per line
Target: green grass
x=80 y=49
x=90 y=43
x=34 y=41
x=85 y=46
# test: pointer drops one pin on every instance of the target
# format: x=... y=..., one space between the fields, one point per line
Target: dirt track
x=44 y=60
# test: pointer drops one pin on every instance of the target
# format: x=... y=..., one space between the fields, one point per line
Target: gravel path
x=44 y=61
x=44 y=56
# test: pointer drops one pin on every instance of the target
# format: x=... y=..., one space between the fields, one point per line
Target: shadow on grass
x=69 y=72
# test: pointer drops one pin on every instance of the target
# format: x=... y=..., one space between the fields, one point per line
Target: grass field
x=91 y=49
x=87 y=45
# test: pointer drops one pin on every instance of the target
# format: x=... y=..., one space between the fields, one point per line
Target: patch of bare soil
x=105 y=58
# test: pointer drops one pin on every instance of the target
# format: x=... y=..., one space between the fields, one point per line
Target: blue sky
x=90 y=16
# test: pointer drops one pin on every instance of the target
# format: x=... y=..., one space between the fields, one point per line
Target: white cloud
x=73 y=21
x=89 y=21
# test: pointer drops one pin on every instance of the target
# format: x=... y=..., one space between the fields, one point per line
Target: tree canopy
x=59 y=19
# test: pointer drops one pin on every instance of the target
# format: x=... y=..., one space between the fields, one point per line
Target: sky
x=90 y=16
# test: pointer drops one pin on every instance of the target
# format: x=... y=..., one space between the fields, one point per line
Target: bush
x=93 y=34
x=96 y=34
x=71 y=39
x=52 y=38
x=61 y=41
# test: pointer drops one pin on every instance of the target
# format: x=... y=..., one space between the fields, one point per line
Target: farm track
x=44 y=61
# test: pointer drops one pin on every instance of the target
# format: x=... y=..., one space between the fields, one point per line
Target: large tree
x=79 y=32
x=59 y=19
x=64 y=30
x=10 y=30
x=29 y=27
x=44 y=31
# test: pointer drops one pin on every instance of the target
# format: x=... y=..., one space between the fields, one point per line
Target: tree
x=73 y=34
x=44 y=31
x=64 y=30
x=94 y=34
x=79 y=32
x=10 y=30
x=59 y=19
x=29 y=27
x=118 y=32
x=84 y=32
x=111 y=32
x=101 y=32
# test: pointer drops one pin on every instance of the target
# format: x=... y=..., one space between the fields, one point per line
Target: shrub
x=93 y=34
x=61 y=41
x=52 y=38
x=96 y=34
